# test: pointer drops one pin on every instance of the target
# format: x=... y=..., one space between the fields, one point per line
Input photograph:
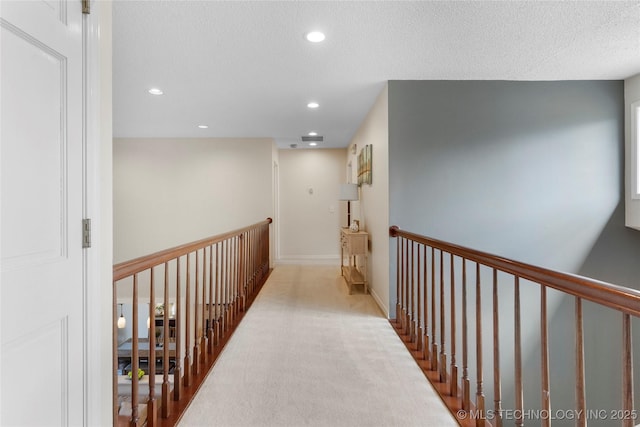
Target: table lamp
x=348 y=192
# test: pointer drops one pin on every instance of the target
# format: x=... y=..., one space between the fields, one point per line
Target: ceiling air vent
x=293 y=145
x=312 y=138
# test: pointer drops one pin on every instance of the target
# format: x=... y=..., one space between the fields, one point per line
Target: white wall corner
x=381 y=305
x=632 y=202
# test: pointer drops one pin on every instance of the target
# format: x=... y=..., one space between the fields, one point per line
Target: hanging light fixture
x=122 y=322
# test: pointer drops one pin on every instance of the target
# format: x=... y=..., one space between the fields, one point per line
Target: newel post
x=393 y=232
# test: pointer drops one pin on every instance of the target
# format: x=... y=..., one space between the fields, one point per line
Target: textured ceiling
x=245 y=69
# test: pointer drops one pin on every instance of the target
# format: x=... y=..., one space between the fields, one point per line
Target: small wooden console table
x=353 y=247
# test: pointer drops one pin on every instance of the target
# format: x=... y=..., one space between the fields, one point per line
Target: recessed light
x=313 y=133
x=155 y=91
x=203 y=126
x=313 y=105
x=313 y=144
x=315 y=36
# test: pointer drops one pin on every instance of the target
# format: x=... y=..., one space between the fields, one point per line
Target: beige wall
x=173 y=191
x=373 y=208
x=310 y=214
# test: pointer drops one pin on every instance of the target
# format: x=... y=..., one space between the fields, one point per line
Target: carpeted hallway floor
x=309 y=354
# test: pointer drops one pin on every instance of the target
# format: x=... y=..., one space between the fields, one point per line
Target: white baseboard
x=384 y=310
x=308 y=260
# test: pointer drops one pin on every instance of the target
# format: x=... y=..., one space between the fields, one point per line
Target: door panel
x=34 y=71
x=41 y=198
x=51 y=382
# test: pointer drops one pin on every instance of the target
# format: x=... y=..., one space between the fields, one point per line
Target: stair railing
x=205 y=287
x=433 y=316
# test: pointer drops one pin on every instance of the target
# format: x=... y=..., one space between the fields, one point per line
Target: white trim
x=309 y=260
x=276 y=213
x=93 y=365
x=634 y=112
x=0 y=222
x=384 y=310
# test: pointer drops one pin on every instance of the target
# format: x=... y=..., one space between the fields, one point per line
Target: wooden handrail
x=137 y=265
x=216 y=279
x=616 y=297
x=412 y=316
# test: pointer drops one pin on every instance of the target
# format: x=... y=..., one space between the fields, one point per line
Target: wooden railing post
x=204 y=340
x=114 y=355
x=218 y=302
x=186 y=378
x=237 y=291
x=398 y=294
x=425 y=305
x=581 y=405
x=544 y=339
x=228 y=285
x=135 y=360
x=412 y=297
x=225 y=287
x=241 y=264
x=177 y=371
x=230 y=282
x=234 y=280
x=250 y=262
x=195 y=365
x=454 y=368
x=628 y=413
x=466 y=385
x=497 y=390
x=443 y=354
x=519 y=389
x=419 y=328
x=211 y=305
x=405 y=291
x=166 y=387
x=434 y=329
x=479 y=388
x=152 y=407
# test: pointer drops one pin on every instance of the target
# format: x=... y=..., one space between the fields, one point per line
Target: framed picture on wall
x=364 y=165
x=368 y=169
x=360 y=168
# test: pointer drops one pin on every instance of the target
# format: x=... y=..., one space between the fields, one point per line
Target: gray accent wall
x=531 y=171
x=528 y=170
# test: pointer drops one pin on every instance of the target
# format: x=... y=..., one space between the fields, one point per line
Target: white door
x=41 y=199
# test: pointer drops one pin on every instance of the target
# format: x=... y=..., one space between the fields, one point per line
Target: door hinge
x=86 y=233
x=86 y=7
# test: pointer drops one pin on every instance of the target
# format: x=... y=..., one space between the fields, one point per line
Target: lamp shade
x=348 y=192
x=122 y=322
